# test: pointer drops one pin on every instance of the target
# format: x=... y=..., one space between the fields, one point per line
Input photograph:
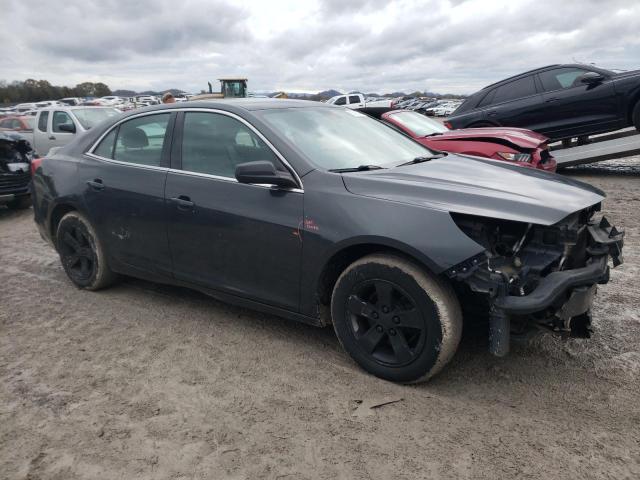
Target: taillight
x=35 y=163
x=448 y=125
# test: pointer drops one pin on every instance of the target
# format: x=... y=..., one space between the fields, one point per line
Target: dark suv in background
x=559 y=101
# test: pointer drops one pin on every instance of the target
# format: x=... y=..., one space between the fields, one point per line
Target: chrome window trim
x=284 y=161
x=127 y=164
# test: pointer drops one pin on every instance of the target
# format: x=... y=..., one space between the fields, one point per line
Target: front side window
x=520 y=88
x=341 y=101
x=141 y=140
x=42 y=121
x=560 y=78
x=336 y=138
x=59 y=119
x=215 y=144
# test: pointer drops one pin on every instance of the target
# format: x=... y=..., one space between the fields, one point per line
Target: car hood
x=475 y=186
x=517 y=136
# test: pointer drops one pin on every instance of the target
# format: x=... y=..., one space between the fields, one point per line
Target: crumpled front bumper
x=559 y=299
x=606 y=242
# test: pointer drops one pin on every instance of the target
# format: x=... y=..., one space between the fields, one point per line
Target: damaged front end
x=535 y=276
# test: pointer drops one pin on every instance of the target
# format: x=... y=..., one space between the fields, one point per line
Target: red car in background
x=17 y=124
x=515 y=145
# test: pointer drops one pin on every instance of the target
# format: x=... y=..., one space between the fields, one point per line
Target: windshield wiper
x=359 y=168
x=423 y=159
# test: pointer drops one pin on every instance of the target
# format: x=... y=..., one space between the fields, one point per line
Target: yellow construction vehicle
x=229 y=88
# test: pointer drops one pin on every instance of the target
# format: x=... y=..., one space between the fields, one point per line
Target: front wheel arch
x=345 y=254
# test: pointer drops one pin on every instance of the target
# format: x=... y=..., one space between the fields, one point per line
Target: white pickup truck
x=57 y=126
x=357 y=101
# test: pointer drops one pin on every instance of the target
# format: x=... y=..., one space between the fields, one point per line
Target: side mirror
x=591 y=78
x=67 y=127
x=263 y=172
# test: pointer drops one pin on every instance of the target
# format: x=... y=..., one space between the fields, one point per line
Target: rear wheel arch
x=56 y=215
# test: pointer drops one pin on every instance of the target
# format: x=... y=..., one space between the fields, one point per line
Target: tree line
x=31 y=90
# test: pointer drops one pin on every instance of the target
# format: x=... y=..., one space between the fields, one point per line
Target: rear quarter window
x=523 y=87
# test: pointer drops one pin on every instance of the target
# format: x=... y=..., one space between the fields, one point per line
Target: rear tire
x=636 y=116
x=82 y=254
x=20 y=203
x=396 y=320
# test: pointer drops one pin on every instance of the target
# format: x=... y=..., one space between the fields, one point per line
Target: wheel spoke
x=410 y=319
x=84 y=265
x=384 y=292
x=400 y=347
x=359 y=307
x=78 y=235
x=371 y=339
x=71 y=241
x=72 y=260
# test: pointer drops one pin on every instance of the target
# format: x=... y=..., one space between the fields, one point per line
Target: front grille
x=12 y=181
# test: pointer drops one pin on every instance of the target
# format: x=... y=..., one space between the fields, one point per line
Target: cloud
x=369 y=45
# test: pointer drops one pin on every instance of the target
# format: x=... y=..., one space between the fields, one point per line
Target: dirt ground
x=143 y=381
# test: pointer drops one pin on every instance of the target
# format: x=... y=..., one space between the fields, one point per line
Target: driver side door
x=241 y=239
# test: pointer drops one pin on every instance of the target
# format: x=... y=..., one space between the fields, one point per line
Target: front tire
x=396 y=320
x=82 y=254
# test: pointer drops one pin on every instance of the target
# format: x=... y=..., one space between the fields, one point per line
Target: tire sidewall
x=76 y=220
x=428 y=358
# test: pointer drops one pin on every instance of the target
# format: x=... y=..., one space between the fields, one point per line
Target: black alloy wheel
x=386 y=322
x=77 y=253
x=396 y=320
x=81 y=252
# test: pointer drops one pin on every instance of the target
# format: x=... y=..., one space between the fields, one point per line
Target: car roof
x=542 y=69
x=249 y=104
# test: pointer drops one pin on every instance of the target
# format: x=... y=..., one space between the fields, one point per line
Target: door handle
x=492 y=113
x=549 y=100
x=183 y=202
x=52 y=137
x=96 y=184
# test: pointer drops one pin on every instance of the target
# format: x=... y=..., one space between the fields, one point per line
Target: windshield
x=30 y=121
x=419 y=125
x=337 y=138
x=90 y=117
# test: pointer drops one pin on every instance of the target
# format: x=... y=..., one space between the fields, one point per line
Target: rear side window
x=354 y=99
x=341 y=101
x=215 y=144
x=42 y=121
x=521 y=88
x=141 y=140
x=105 y=148
x=560 y=78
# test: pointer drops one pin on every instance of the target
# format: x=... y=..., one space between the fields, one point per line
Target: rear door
x=125 y=178
x=515 y=104
x=238 y=238
x=574 y=108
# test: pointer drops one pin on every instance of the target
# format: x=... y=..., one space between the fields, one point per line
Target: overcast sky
x=310 y=45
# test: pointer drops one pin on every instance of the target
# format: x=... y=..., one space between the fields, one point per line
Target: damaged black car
x=323 y=215
x=15 y=164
